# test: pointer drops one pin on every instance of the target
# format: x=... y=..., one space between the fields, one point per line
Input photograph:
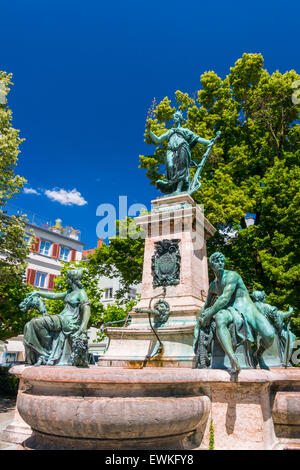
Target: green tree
x=254 y=168
x=13 y=246
x=122 y=258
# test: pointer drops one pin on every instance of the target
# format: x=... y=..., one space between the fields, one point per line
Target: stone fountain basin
x=109 y=403
x=159 y=408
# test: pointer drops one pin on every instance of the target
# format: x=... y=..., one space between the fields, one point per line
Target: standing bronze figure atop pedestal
x=178 y=158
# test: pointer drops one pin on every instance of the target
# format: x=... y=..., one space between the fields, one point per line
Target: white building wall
x=105 y=283
x=46 y=263
x=12 y=350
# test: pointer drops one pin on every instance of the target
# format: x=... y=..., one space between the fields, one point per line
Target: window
x=108 y=293
x=40 y=279
x=132 y=294
x=44 y=248
x=64 y=253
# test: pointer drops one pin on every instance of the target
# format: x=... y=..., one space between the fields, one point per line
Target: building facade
x=51 y=246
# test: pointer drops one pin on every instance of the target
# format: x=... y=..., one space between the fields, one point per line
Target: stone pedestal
x=17 y=431
x=172 y=218
x=159 y=408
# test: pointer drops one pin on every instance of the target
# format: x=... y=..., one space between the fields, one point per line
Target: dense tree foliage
x=13 y=246
x=254 y=168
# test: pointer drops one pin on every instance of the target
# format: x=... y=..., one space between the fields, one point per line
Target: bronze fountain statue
x=178 y=158
x=58 y=339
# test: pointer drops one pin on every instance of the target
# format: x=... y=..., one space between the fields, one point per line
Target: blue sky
x=85 y=74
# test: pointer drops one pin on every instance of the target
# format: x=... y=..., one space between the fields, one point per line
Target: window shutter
x=28 y=275
x=35 y=247
x=51 y=281
x=31 y=273
x=73 y=255
x=55 y=250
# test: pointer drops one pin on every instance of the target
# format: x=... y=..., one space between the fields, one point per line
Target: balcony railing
x=37 y=220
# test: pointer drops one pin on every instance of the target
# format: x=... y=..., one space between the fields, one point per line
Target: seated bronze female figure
x=53 y=339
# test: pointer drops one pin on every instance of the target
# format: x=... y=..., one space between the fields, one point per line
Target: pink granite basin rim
x=150 y=375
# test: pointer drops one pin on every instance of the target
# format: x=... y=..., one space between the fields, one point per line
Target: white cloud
x=31 y=191
x=66 y=198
